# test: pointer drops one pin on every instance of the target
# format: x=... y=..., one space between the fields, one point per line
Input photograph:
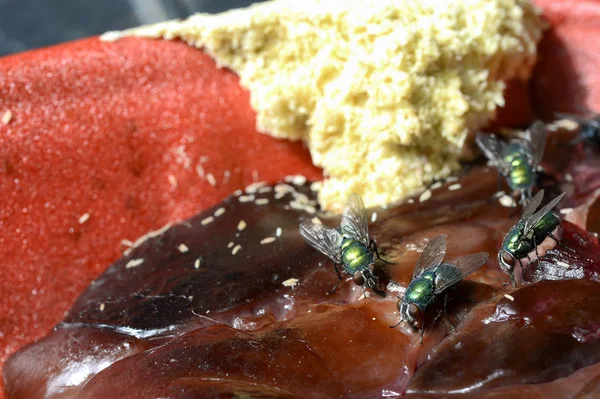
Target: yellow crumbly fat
x=384 y=92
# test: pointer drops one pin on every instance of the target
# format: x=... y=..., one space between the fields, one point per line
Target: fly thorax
x=518 y=244
x=355 y=255
x=421 y=290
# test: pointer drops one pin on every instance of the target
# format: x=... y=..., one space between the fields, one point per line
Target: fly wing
x=465 y=265
x=533 y=204
x=532 y=220
x=432 y=255
x=492 y=148
x=536 y=142
x=354 y=220
x=327 y=241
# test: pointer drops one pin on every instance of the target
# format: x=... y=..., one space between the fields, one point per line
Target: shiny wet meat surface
x=205 y=308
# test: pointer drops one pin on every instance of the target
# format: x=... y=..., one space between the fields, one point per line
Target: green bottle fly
x=349 y=246
x=516 y=160
x=432 y=277
x=525 y=236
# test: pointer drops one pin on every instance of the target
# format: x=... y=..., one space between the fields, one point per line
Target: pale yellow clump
x=384 y=92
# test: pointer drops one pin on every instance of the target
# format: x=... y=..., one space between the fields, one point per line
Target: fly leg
x=397 y=324
x=562 y=244
x=373 y=247
x=337 y=270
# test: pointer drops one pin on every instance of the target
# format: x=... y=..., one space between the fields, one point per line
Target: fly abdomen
x=545 y=226
x=521 y=175
x=355 y=255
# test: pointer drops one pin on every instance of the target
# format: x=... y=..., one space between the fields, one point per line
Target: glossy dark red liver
x=228 y=326
x=96 y=129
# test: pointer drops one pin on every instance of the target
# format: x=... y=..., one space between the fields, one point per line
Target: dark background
x=28 y=24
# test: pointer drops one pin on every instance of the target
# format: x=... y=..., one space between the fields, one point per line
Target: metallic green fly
x=518 y=159
x=349 y=246
x=432 y=277
x=528 y=233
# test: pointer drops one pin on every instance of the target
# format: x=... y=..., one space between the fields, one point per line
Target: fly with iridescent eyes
x=349 y=245
x=525 y=236
x=516 y=160
x=433 y=277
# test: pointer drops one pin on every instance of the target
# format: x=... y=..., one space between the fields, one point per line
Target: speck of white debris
x=298 y=180
x=454 y=187
x=509 y=297
x=310 y=209
x=278 y=232
x=111 y=36
x=230 y=244
x=183 y=248
x=241 y=225
x=208 y=311
x=262 y=201
x=200 y=171
x=316 y=220
x=566 y=124
x=102 y=306
x=267 y=240
x=144 y=238
x=566 y=211
x=183 y=158
x=316 y=186
x=309 y=310
x=263 y=190
x=172 y=181
x=246 y=198
x=436 y=185
x=211 y=179
x=506 y=201
x=219 y=212
x=411 y=201
x=236 y=249
x=134 y=263
x=127 y=243
x=197 y=264
x=286 y=188
x=7 y=117
x=374 y=318
x=252 y=188
x=291 y=282
x=84 y=218
x=206 y=221
x=425 y=196
x=562 y=264
x=238 y=192
x=373 y=217
x=568 y=177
